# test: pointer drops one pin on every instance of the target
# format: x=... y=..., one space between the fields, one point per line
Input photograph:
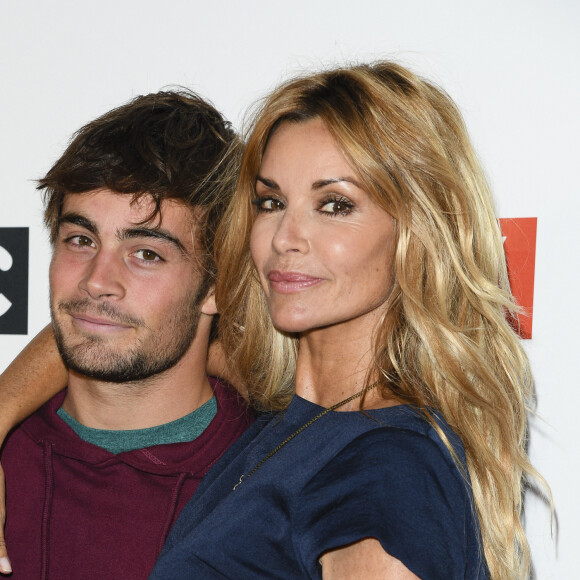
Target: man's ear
x=209 y=306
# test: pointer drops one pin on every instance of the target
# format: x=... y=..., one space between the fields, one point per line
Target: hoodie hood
x=46 y=427
x=76 y=510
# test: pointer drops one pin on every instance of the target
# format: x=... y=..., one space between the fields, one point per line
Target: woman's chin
x=291 y=325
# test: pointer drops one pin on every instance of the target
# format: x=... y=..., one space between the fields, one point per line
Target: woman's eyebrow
x=319 y=184
x=269 y=183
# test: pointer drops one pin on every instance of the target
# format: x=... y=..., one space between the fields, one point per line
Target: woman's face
x=322 y=247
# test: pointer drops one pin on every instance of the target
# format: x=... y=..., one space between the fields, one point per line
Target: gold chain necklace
x=305 y=426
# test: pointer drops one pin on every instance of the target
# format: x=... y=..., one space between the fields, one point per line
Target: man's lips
x=288 y=282
x=95 y=323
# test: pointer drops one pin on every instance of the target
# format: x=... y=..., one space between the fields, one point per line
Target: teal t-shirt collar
x=182 y=430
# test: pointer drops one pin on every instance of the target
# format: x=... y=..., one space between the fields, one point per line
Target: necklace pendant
x=239 y=482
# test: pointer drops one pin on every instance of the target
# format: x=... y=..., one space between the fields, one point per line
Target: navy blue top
x=346 y=477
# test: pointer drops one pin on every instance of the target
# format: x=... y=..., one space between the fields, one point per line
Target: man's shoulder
x=45 y=417
x=31 y=433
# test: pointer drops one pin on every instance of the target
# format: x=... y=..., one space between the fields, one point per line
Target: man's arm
x=219 y=366
x=34 y=376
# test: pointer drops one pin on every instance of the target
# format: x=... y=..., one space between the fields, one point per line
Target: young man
x=96 y=478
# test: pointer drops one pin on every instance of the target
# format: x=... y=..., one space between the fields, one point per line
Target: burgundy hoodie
x=75 y=510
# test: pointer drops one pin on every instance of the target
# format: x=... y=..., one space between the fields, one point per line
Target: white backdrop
x=512 y=66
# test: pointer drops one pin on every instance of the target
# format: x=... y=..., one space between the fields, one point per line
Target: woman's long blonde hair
x=444 y=342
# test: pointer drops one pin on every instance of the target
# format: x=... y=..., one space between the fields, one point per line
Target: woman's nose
x=292 y=233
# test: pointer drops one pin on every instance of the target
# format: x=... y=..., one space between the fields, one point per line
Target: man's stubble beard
x=157 y=352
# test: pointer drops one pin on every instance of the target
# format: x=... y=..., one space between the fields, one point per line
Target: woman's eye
x=266 y=204
x=147 y=255
x=337 y=206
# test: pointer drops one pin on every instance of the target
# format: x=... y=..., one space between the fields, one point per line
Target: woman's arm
x=34 y=376
x=362 y=560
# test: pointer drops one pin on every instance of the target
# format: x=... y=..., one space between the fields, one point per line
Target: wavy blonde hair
x=444 y=342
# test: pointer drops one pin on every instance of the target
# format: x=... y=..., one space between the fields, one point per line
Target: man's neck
x=157 y=400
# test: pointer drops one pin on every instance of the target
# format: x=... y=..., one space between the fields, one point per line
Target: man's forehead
x=140 y=208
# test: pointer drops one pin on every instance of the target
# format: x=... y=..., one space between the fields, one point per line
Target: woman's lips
x=289 y=282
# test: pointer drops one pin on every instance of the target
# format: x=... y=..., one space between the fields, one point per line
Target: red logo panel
x=519 y=242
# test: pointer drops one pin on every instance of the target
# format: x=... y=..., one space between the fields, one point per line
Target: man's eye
x=81 y=241
x=147 y=255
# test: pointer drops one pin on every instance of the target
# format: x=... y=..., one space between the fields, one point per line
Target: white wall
x=512 y=65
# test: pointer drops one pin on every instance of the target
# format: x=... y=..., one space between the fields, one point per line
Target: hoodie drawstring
x=47 y=508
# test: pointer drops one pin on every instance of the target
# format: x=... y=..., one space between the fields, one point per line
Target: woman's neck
x=332 y=366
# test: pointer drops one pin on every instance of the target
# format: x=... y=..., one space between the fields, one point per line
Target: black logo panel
x=13 y=280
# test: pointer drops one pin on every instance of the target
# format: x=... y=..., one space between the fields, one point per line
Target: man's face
x=126 y=296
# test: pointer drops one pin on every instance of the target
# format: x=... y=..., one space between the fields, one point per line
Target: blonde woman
x=363 y=296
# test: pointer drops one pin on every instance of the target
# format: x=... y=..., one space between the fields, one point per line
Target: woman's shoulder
x=398 y=482
x=387 y=436
x=398 y=455
x=403 y=432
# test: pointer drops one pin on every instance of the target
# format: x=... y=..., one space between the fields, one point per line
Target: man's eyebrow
x=156 y=233
x=324 y=182
x=76 y=219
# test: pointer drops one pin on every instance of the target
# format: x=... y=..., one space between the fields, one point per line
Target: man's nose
x=104 y=276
